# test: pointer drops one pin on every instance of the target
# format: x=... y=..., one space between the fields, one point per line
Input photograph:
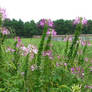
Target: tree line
x=30 y=28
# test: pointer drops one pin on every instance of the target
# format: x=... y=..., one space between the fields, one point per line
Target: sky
x=49 y=9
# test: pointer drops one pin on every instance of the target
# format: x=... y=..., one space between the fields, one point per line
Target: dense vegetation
x=28 y=29
x=63 y=66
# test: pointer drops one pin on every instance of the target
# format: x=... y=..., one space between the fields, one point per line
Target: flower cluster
x=79 y=20
x=3 y=13
x=68 y=38
x=5 y=31
x=48 y=53
x=33 y=67
x=10 y=50
x=52 y=32
x=30 y=49
x=19 y=42
x=78 y=71
x=45 y=21
x=84 y=43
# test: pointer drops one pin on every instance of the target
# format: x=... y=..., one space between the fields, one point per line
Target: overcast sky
x=53 y=9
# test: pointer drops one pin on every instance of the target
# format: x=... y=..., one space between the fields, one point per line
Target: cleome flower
x=3 y=13
x=78 y=71
x=52 y=32
x=5 y=31
x=79 y=20
x=46 y=21
x=30 y=49
x=48 y=53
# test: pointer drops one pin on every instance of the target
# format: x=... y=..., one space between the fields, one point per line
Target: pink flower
x=45 y=21
x=52 y=32
x=57 y=64
x=24 y=51
x=48 y=53
x=5 y=31
x=70 y=39
x=65 y=64
x=65 y=39
x=78 y=71
x=88 y=86
x=3 y=13
x=33 y=67
x=42 y=22
x=76 y=21
x=86 y=59
x=89 y=44
x=50 y=23
x=83 y=43
x=58 y=57
x=84 y=21
x=10 y=49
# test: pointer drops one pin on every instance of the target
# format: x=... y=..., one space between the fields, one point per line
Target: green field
x=58 y=46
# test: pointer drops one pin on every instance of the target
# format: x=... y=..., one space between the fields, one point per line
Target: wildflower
x=58 y=57
x=83 y=43
x=10 y=49
x=33 y=67
x=5 y=31
x=52 y=32
x=32 y=48
x=24 y=50
x=45 y=21
x=89 y=44
x=57 y=64
x=50 y=23
x=86 y=59
x=76 y=21
x=88 y=86
x=48 y=53
x=84 y=21
x=65 y=64
x=3 y=13
x=42 y=22
x=65 y=39
x=78 y=71
x=70 y=39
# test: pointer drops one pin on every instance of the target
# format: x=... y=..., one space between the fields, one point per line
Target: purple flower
x=3 y=13
x=86 y=59
x=45 y=21
x=33 y=67
x=65 y=64
x=5 y=31
x=57 y=64
x=42 y=22
x=52 y=32
x=84 y=21
x=83 y=43
x=50 y=23
x=10 y=49
x=48 y=53
x=88 y=86
x=78 y=71
x=76 y=21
